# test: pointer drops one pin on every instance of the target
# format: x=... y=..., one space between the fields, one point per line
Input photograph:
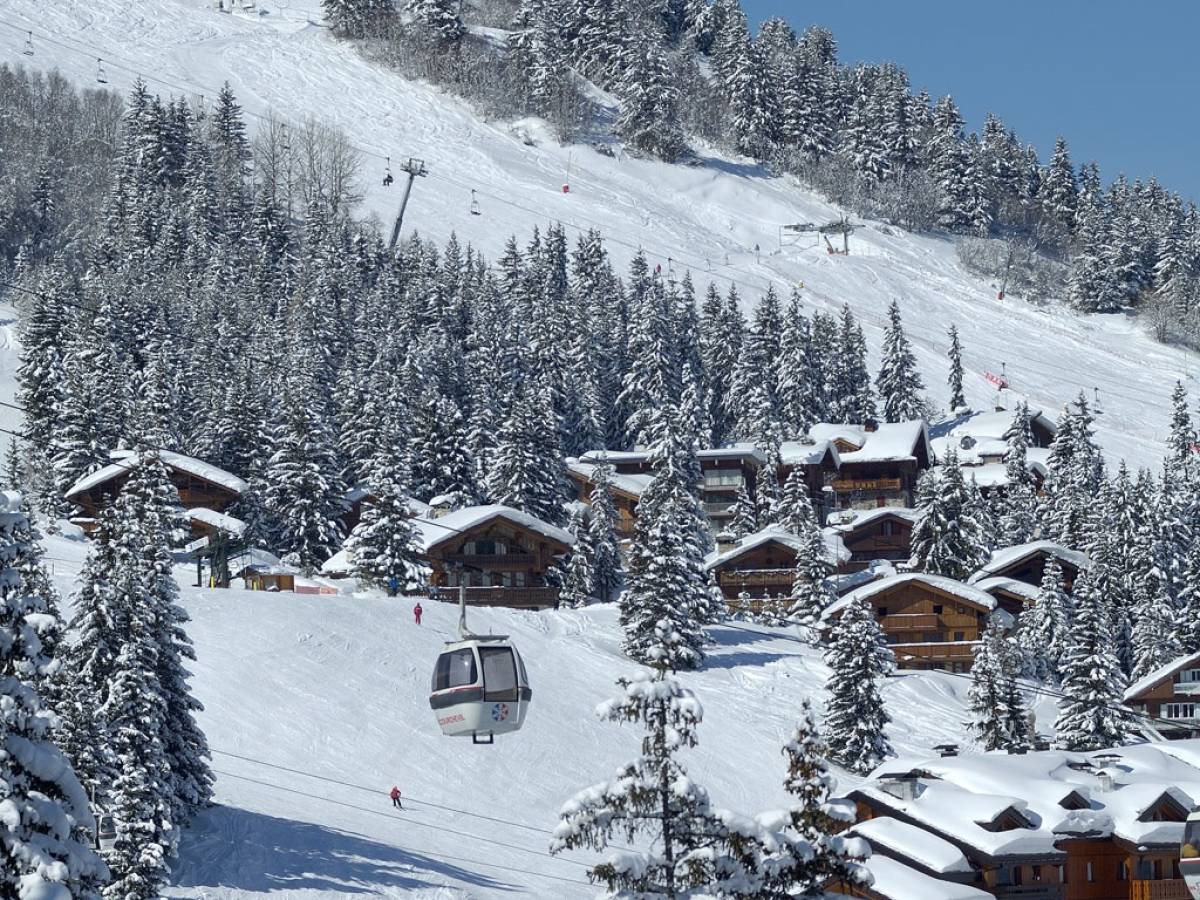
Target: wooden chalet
x=929 y=621
x=877 y=465
x=878 y=534
x=762 y=565
x=1172 y=693
x=625 y=490
x=1018 y=827
x=1027 y=562
x=201 y=486
x=723 y=471
x=500 y=554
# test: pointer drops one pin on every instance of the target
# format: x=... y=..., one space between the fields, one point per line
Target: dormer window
x=1009 y=819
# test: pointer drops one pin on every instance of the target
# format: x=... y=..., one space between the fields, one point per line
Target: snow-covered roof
x=124 y=460
x=1022 y=589
x=1162 y=672
x=632 y=485
x=835 y=550
x=810 y=453
x=896 y=881
x=433 y=532
x=992 y=424
x=913 y=844
x=1007 y=556
x=962 y=591
x=954 y=794
x=992 y=475
x=742 y=450
x=220 y=521
x=853 y=519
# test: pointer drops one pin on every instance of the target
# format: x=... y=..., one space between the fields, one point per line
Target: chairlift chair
x=475 y=204
x=480 y=687
x=100 y=76
x=387 y=172
x=28 y=49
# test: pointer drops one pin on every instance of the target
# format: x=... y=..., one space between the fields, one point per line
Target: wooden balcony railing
x=517 y=597
x=911 y=622
x=944 y=650
x=517 y=559
x=771 y=577
x=1166 y=889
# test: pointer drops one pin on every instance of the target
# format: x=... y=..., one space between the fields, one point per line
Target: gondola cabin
x=480 y=688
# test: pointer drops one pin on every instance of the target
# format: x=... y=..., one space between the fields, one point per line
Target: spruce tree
x=1090 y=714
x=948 y=538
x=855 y=716
x=1045 y=626
x=899 y=384
x=744 y=519
x=46 y=808
x=955 y=379
x=384 y=546
x=439 y=19
x=811 y=592
x=1016 y=506
x=602 y=535
x=795 y=513
x=998 y=717
x=527 y=469
x=579 y=581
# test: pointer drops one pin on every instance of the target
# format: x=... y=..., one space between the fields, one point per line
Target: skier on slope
x=395 y=795
x=417 y=613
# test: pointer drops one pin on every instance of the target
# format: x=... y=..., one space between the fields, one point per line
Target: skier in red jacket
x=417 y=613
x=395 y=795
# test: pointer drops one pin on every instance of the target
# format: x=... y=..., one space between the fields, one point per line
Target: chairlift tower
x=414 y=168
x=842 y=226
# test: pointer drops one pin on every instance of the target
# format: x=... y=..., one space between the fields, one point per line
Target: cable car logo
x=499 y=712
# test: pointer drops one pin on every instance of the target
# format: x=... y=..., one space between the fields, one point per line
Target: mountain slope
x=707 y=218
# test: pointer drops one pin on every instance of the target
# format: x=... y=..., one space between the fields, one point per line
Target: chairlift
x=100 y=76
x=475 y=211
x=28 y=49
x=1097 y=409
x=387 y=172
x=480 y=687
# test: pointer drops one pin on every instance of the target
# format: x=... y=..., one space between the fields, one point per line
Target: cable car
x=1189 y=854
x=100 y=76
x=480 y=687
x=106 y=831
x=28 y=49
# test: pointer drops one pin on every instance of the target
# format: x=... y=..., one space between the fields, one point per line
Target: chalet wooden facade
x=1172 y=695
x=762 y=566
x=724 y=471
x=929 y=622
x=625 y=490
x=501 y=556
x=882 y=534
x=1027 y=562
x=876 y=465
x=201 y=486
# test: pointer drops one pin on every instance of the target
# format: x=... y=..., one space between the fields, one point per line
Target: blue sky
x=1120 y=81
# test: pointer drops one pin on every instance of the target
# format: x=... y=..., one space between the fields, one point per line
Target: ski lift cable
x=410 y=821
x=742 y=278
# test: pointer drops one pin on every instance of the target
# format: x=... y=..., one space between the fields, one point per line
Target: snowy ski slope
x=707 y=218
x=337 y=687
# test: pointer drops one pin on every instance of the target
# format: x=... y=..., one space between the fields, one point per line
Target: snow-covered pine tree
x=993 y=692
x=1016 y=506
x=46 y=807
x=579 y=581
x=1155 y=637
x=1181 y=445
x=855 y=716
x=649 y=121
x=438 y=18
x=745 y=515
x=384 y=546
x=527 y=468
x=668 y=598
x=848 y=383
x=899 y=384
x=1090 y=715
x=356 y=18
x=955 y=379
x=947 y=538
x=815 y=816
x=1045 y=625
x=811 y=591
x=602 y=535
x=795 y=513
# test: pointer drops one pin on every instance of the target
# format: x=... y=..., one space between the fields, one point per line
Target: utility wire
x=410 y=821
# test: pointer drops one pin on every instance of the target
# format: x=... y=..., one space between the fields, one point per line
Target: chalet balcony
x=1187 y=689
x=865 y=485
x=717 y=509
x=514 y=597
x=940 y=651
x=1030 y=891
x=911 y=622
x=515 y=559
x=1166 y=889
x=735 y=578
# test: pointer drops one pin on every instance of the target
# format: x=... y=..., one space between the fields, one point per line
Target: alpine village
x=401 y=395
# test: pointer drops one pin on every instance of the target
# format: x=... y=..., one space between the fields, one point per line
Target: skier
x=417 y=613
x=393 y=586
x=395 y=795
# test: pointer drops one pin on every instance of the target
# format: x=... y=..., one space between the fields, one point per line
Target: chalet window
x=933 y=637
x=1062 y=874
x=1179 y=710
x=1158 y=870
x=1091 y=875
x=1122 y=871
x=959 y=635
x=519 y=579
x=1189 y=676
x=724 y=478
x=1037 y=873
x=887 y=529
x=881 y=610
x=1018 y=875
x=937 y=609
x=893 y=638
